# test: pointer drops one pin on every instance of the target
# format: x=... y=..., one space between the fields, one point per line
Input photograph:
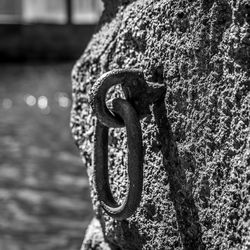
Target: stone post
x=196 y=142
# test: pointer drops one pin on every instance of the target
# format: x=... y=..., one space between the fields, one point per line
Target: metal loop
x=100 y=89
x=139 y=94
x=135 y=163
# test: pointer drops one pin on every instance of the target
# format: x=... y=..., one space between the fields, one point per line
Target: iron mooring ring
x=135 y=163
x=139 y=95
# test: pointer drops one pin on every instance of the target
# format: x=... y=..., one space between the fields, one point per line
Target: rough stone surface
x=197 y=157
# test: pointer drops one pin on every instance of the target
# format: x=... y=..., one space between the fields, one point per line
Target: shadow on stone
x=180 y=192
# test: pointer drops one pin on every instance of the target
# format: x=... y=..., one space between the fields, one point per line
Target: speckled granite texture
x=197 y=157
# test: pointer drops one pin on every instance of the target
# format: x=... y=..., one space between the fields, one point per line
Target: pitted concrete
x=196 y=167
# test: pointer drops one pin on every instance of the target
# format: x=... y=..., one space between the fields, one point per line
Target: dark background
x=43 y=42
x=44 y=193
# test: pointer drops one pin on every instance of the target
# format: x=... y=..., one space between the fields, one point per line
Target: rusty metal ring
x=100 y=89
x=135 y=163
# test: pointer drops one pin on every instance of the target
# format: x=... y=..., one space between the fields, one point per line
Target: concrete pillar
x=196 y=142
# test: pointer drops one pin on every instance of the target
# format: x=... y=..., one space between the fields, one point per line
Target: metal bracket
x=138 y=92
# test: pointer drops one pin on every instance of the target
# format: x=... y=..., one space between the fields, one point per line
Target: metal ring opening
x=135 y=163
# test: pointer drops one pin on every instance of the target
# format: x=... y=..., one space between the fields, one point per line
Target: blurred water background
x=44 y=192
x=44 y=196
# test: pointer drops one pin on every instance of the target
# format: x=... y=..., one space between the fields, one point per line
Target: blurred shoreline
x=43 y=42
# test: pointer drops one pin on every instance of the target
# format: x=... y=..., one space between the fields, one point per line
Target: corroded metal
x=139 y=92
x=135 y=163
x=139 y=95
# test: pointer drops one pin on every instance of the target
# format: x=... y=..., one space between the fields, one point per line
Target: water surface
x=44 y=195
